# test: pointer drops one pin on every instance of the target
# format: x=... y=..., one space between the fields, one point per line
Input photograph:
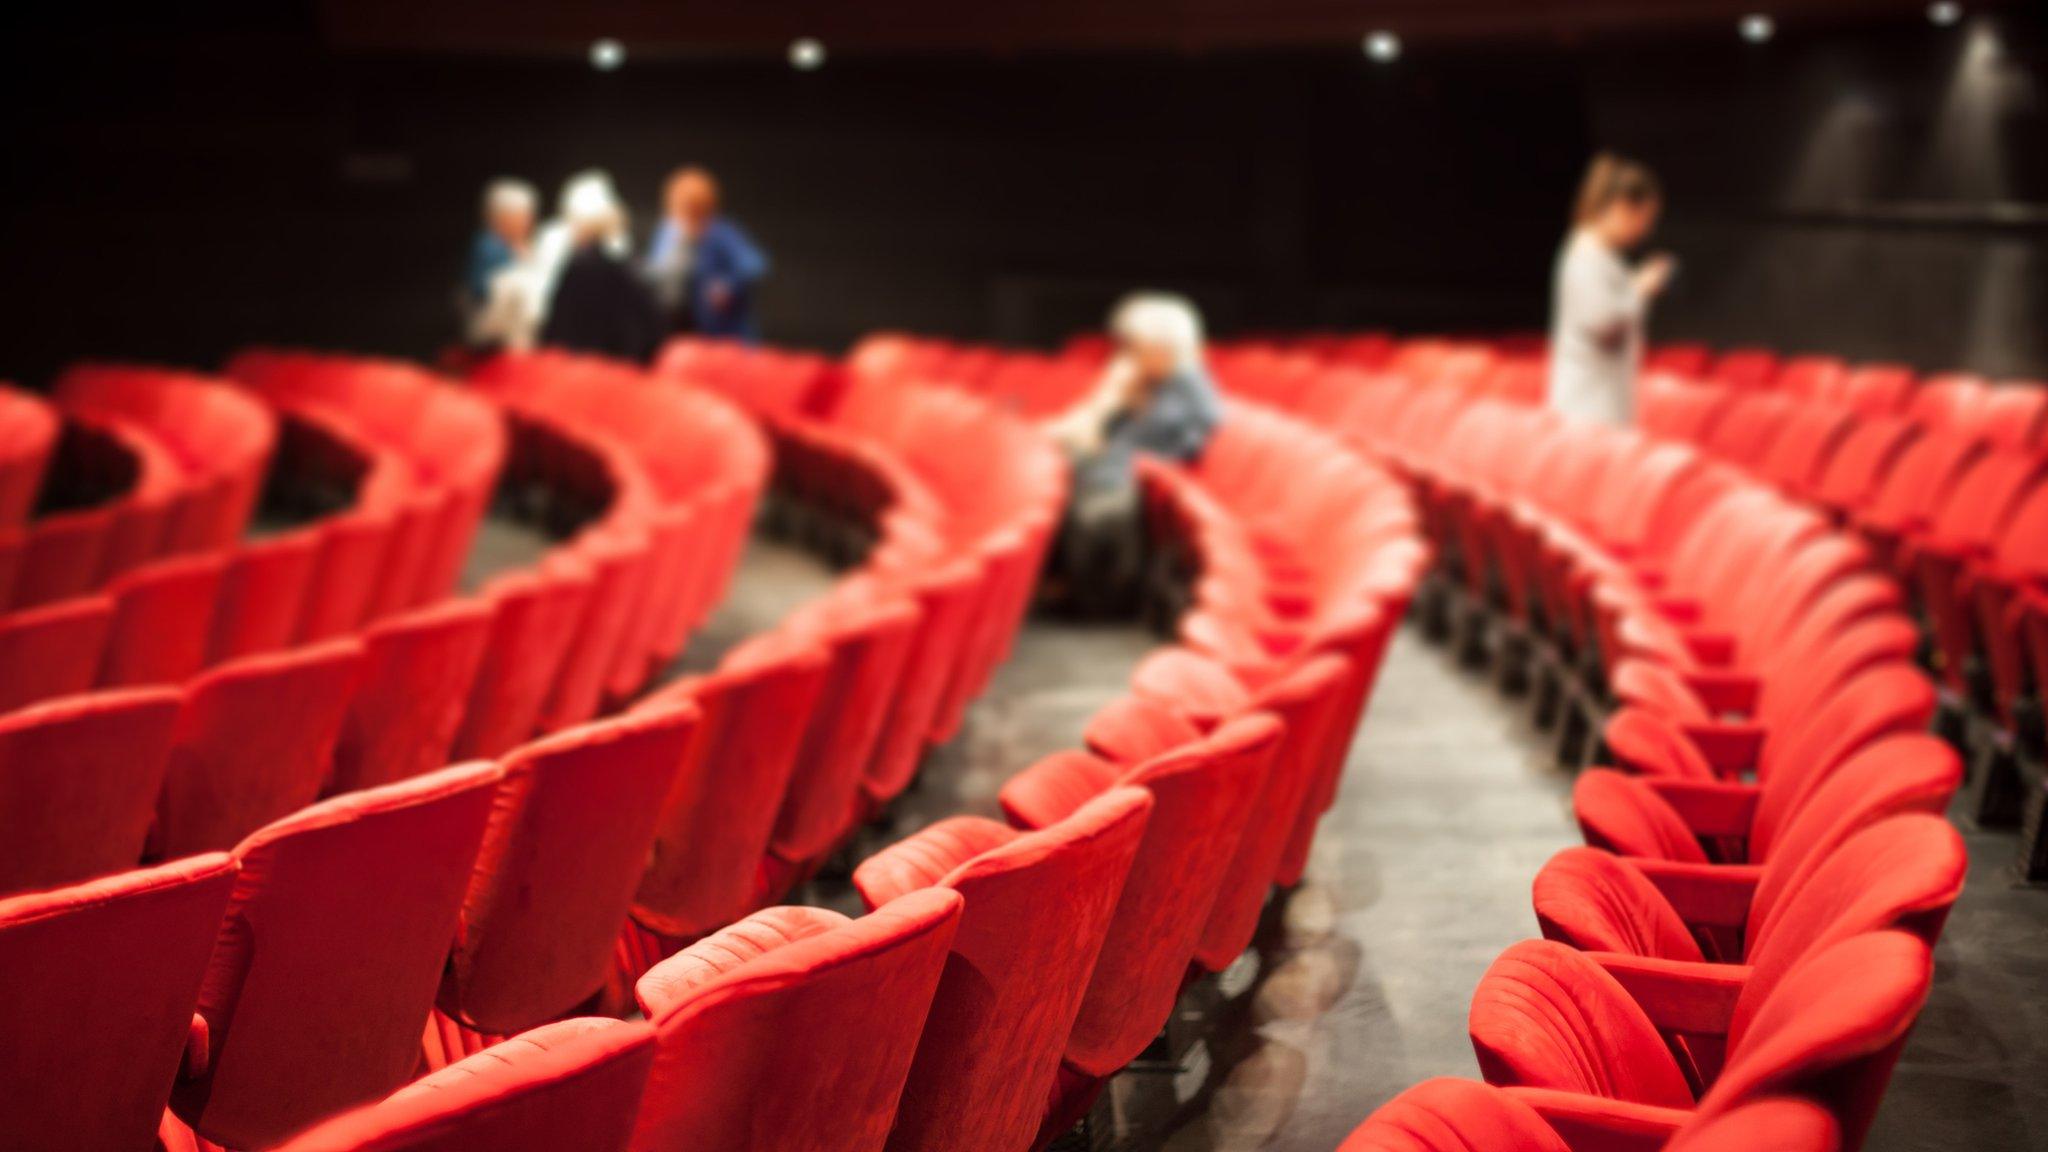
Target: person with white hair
x=598 y=303
x=1155 y=398
x=500 y=298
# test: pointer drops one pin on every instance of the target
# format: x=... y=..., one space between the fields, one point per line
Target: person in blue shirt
x=503 y=244
x=1155 y=398
x=704 y=268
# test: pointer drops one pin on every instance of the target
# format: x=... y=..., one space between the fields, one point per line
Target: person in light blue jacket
x=703 y=266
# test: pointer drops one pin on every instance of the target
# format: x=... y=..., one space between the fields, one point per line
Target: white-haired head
x=506 y=195
x=591 y=207
x=1159 y=326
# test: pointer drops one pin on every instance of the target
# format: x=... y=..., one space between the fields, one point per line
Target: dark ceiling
x=663 y=28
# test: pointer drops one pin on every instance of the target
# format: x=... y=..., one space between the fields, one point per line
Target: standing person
x=1155 y=398
x=599 y=303
x=556 y=240
x=1599 y=301
x=501 y=298
x=704 y=267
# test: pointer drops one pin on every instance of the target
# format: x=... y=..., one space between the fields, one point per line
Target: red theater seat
x=261 y=595
x=568 y=838
x=1690 y=822
x=719 y=814
x=1038 y=906
x=533 y=623
x=53 y=650
x=419 y=669
x=867 y=644
x=1575 y=1042
x=97 y=986
x=1446 y=1115
x=78 y=785
x=1202 y=795
x=724 y=1009
x=290 y=1030
x=254 y=742
x=163 y=617
x=573 y=1084
x=1904 y=872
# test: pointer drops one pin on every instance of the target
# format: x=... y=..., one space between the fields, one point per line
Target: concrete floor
x=1360 y=983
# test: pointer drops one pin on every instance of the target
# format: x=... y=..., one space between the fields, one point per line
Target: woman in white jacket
x=1599 y=300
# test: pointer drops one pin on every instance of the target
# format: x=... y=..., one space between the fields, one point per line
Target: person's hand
x=1654 y=274
x=719 y=293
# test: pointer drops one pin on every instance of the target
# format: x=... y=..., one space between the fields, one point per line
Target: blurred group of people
x=577 y=281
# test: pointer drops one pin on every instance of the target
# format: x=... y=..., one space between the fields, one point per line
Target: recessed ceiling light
x=806 y=54
x=1383 y=47
x=1757 y=27
x=1944 y=12
x=607 y=54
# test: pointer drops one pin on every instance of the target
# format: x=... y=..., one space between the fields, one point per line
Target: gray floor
x=1421 y=874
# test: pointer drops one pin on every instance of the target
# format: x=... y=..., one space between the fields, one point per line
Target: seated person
x=1155 y=397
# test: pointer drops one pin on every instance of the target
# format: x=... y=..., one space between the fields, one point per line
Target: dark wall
x=173 y=195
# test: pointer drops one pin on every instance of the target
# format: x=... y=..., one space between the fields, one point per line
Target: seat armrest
x=923 y=860
x=1724 y=693
x=1709 y=647
x=1678 y=609
x=1732 y=747
x=198 y=1057
x=1705 y=895
x=1709 y=808
x=1686 y=996
x=1596 y=1124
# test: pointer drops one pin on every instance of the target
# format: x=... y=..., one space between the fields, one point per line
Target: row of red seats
x=142 y=498
x=1752 y=918
x=1004 y=971
x=1144 y=858
x=120 y=484
x=103 y=780
x=1946 y=480
x=513 y=861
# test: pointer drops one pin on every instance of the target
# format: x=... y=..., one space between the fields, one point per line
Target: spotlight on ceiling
x=1757 y=27
x=1944 y=12
x=806 y=54
x=1383 y=47
x=607 y=54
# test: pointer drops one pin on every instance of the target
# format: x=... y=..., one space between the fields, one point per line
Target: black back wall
x=175 y=192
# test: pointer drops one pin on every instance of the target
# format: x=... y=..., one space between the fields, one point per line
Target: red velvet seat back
x=829 y=1010
x=1202 y=795
x=1902 y=873
x=573 y=1084
x=946 y=598
x=1902 y=772
x=53 y=650
x=97 y=986
x=351 y=559
x=868 y=644
x=1446 y=1115
x=720 y=811
x=1038 y=908
x=61 y=556
x=569 y=835
x=1859 y=466
x=1830 y=1029
x=163 y=617
x=533 y=623
x=325 y=970
x=254 y=742
x=261 y=595
x=418 y=671
x=616 y=556
x=1306 y=702
x=78 y=784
